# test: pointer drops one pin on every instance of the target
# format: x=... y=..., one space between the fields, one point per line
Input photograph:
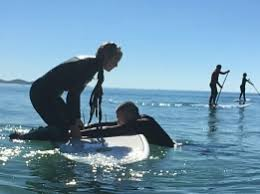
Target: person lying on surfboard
x=130 y=122
x=72 y=76
x=243 y=88
x=213 y=85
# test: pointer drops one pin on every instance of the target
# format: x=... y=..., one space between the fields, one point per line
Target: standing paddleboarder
x=243 y=88
x=213 y=85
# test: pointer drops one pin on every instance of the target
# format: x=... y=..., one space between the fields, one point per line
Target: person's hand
x=75 y=129
x=79 y=123
x=228 y=71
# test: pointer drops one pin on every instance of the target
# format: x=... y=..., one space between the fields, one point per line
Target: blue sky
x=167 y=44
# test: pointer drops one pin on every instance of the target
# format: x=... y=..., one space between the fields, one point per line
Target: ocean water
x=220 y=151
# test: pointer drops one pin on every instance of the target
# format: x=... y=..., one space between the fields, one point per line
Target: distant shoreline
x=15 y=81
x=24 y=82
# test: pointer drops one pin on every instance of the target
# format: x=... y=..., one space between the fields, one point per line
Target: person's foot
x=212 y=105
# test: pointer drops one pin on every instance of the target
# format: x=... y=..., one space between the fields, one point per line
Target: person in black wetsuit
x=243 y=87
x=213 y=85
x=130 y=122
x=72 y=77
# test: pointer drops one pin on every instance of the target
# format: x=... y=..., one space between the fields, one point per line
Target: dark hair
x=219 y=66
x=108 y=49
x=244 y=74
x=105 y=50
x=129 y=107
x=96 y=97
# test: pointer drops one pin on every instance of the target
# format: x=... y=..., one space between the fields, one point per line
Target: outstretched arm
x=107 y=131
x=225 y=72
x=248 y=80
x=219 y=85
x=103 y=124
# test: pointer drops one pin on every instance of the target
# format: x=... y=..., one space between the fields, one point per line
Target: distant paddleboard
x=229 y=106
x=113 y=151
x=241 y=101
x=244 y=105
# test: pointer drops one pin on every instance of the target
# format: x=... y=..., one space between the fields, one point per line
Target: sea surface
x=220 y=151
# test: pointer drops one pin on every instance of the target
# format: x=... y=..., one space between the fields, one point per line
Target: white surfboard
x=241 y=100
x=229 y=106
x=244 y=105
x=113 y=151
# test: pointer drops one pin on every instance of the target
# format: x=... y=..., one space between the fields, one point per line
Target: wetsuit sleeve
x=101 y=124
x=73 y=102
x=108 y=131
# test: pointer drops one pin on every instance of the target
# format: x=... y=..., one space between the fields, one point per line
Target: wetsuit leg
x=243 y=93
x=52 y=110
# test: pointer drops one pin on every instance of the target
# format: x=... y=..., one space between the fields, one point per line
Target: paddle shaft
x=221 y=89
x=256 y=89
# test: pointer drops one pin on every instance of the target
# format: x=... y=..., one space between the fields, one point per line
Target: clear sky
x=167 y=44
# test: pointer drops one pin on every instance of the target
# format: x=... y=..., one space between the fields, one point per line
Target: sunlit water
x=220 y=151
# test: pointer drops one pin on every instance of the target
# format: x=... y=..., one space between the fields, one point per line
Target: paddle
x=255 y=89
x=221 y=89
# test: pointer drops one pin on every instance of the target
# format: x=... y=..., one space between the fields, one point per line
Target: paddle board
x=112 y=151
x=229 y=106
x=241 y=100
x=244 y=105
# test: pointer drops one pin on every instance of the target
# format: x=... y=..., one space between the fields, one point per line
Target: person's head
x=126 y=112
x=108 y=55
x=244 y=74
x=218 y=67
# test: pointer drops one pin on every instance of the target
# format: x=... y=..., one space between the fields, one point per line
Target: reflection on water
x=223 y=160
x=241 y=119
x=212 y=120
x=51 y=172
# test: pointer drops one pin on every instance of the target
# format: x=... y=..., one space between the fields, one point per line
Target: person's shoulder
x=145 y=116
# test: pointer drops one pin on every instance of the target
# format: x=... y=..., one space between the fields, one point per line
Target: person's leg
x=53 y=111
x=215 y=93
x=241 y=92
x=211 y=95
x=244 y=95
x=240 y=96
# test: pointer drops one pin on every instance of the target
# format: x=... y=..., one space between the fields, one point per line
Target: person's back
x=68 y=76
x=153 y=132
x=214 y=77
x=244 y=80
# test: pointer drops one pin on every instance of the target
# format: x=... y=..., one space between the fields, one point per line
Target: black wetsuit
x=213 y=87
x=243 y=89
x=46 y=92
x=145 y=125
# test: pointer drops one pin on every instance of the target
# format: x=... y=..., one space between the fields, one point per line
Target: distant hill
x=15 y=81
